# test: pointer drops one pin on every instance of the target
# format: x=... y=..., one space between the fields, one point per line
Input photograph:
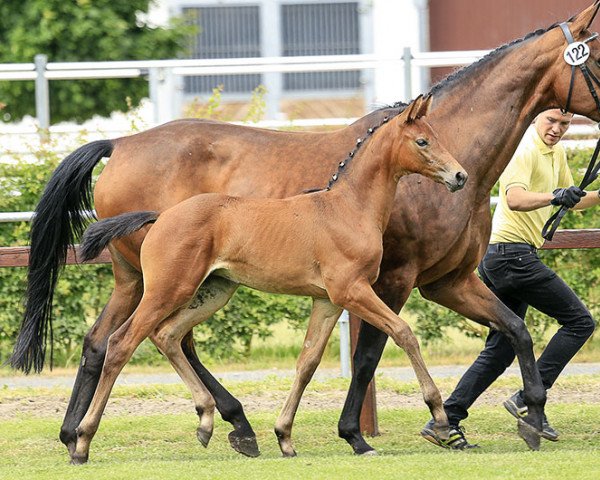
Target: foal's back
x=275 y=245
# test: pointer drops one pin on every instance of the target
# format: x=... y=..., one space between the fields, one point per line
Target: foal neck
x=368 y=180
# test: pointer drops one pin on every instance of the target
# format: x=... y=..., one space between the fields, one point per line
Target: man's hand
x=568 y=197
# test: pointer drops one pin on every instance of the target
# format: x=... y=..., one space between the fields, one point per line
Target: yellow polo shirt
x=537 y=168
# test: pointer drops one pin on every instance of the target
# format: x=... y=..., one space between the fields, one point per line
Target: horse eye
x=421 y=142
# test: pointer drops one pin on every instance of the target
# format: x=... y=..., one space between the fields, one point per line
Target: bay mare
x=326 y=244
x=433 y=241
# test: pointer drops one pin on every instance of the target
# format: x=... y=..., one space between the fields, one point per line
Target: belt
x=511 y=248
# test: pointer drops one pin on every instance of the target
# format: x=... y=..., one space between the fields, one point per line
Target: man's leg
x=552 y=296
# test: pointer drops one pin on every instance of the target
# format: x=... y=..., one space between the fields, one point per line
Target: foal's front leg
x=323 y=318
x=360 y=299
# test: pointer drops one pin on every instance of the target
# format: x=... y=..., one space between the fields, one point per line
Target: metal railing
x=162 y=75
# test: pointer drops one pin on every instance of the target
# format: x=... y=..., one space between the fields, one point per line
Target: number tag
x=576 y=53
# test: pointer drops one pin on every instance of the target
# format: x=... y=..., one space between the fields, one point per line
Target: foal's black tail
x=99 y=234
x=57 y=222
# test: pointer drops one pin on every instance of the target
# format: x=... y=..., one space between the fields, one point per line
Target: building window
x=321 y=29
x=224 y=32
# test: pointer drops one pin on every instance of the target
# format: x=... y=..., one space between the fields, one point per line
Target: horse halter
x=578 y=59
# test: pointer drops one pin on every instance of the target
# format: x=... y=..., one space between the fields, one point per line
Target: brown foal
x=326 y=244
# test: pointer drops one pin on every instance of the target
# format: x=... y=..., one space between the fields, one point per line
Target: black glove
x=568 y=197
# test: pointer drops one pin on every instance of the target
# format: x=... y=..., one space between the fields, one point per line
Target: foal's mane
x=493 y=55
x=401 y=106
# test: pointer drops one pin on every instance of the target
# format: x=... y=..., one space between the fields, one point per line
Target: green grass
x=164 y=447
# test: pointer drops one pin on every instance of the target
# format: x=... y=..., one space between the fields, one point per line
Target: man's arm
x=521 y=200
x=590 y=200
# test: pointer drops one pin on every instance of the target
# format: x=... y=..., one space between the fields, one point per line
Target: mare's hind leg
x=122 y=303
x=360 y=299
x=242 y=438
x=323 y=317
x=474 y=300
x=212 y=296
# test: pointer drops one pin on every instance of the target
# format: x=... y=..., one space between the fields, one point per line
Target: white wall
x=398 y=24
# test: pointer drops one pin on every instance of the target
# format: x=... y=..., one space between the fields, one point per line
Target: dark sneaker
x=517 y=408
x=456 y=441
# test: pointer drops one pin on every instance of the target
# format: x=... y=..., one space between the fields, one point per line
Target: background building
x=384 y=28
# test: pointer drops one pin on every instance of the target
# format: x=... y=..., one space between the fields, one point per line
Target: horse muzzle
x=457 y=182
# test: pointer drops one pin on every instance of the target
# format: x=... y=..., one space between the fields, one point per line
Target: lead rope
x=592 y=170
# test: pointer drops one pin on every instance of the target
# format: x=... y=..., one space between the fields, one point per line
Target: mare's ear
x=409 y=114
x=425 y=106
x=584 y=19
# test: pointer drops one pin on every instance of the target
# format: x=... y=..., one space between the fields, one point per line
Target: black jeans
x=517 y=276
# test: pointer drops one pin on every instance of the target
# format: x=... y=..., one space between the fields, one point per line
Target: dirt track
x=55 y=404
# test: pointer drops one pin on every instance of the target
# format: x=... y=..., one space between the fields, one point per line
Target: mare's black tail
x=58 y=221
x=99 y=234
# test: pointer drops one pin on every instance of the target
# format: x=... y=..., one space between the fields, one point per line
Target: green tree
x=81 y=30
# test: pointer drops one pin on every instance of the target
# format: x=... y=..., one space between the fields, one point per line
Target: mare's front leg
x=122 y=303
x=323 y=318
x=369 y=348
x=360 y=299
x=471 y=298
x=213 y=295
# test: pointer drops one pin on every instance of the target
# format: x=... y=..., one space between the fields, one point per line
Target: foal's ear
x=412 y=110
x=584 y=19
x=426 y=105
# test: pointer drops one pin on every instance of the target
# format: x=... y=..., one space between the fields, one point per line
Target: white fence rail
x=163 y=75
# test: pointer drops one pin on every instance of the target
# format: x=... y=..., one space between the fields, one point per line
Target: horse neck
x=481 y=117
x=369 y=184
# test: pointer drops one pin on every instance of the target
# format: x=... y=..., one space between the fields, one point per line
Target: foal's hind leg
x=121 y=345
x=122 y=303
x=323 y=317
x=212 y=296
x=360 y=299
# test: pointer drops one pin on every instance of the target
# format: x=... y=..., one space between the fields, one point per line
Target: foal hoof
x=203 y=437
x=79 y=459
x=530 y=434
x=245 y=445
x=289 y=453
x=71 y=448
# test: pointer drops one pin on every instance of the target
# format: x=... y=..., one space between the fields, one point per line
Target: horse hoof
x=291 y=454
x=203 y=437
x=369 y=453
x=79 y=459
x=530 y=434
x=245 y=445
x=71 y=448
